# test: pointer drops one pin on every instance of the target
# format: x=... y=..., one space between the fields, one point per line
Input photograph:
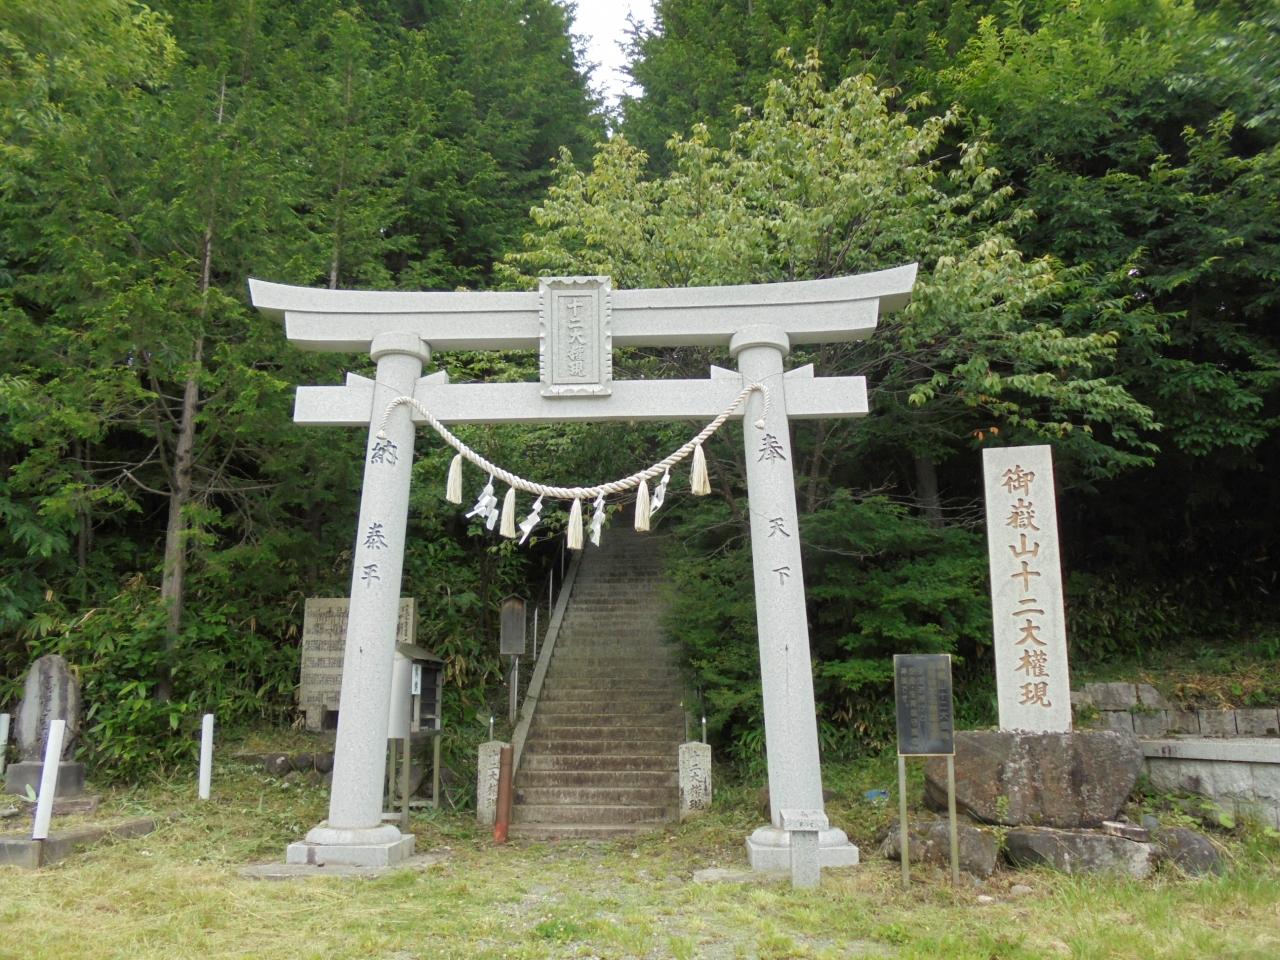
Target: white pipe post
x=49 y=780
x=4 y=739
x=206 y=755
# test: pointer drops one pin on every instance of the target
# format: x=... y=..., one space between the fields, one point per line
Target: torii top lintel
x=809 y=311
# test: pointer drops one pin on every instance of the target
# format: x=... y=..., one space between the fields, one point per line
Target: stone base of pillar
x=27 y=773
x=769 y=850
x=374 y=847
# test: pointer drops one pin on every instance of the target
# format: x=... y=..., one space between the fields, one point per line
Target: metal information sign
x=922 y=691
x=926 y=727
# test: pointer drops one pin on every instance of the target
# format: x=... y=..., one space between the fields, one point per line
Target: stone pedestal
x=378 y=847
x=18 y=776
x=769 y=848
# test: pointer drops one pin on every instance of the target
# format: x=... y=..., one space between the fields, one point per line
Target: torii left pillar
x=354 y=832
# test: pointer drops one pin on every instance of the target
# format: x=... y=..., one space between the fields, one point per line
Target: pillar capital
x=399 y=342
x=760 y=335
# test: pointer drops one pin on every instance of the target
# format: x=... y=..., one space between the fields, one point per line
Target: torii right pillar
x=786 y=677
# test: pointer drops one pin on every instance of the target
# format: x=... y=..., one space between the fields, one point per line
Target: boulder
x=1189 y=850
x=1008 y=777
x=929 y=841
x=1078 y=851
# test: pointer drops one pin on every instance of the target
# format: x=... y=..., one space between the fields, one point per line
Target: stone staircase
x=601 y=756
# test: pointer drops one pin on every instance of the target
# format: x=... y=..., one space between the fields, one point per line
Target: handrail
x=530 y=703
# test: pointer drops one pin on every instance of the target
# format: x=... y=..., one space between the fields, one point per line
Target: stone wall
x=1231 y=757
x=1139 y=708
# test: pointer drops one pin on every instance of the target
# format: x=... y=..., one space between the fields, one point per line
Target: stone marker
x=695 y=778
x=758 y=323
x=1033 y=686
x=51 y=693
x=324 y=635
x=4 y=740
x=804 y=827
x=487 y=769
x=1055 y=779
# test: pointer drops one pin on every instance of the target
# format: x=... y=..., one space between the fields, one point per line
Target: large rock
x=1189 y=850
x=1038 y=779
x=929 y=841
x=1078 y=851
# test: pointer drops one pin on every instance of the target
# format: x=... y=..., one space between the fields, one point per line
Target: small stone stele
x=51 y=693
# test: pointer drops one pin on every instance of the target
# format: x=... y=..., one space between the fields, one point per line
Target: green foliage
x=152 y=160
x=879 y=581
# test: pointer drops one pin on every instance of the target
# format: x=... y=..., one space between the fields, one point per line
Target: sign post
x=926 y=728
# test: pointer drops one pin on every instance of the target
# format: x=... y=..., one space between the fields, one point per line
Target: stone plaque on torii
x=575 y=322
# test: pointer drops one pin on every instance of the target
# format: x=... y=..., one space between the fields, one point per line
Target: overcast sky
x=604 y=24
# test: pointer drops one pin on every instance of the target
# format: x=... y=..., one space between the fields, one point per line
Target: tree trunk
x=173 y=581
x=927 y=489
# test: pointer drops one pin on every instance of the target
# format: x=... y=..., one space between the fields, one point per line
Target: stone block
x=1130 y=831
x=1120 y=721
x=375 y=854
x=1112 y=696
x=1078 y=851
x=1255 y=722
x=1217 y=723
x=929 y=841
x=1189 y=850
x=1054 y=779
x=1150 y=697
x=21 y=851
x=1266 y=781
x=695 y=778
x=26 y=773
x=1184 y=721
x=1153 y=723
x=1231 y=779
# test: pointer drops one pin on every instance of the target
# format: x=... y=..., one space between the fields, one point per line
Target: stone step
x=667 y=747
x=598 y=694
x=580 y=831
x=596 y=778
x=589 y=813
x=669 y=718
x=626 y=796
x=603 y=708
x=655 y=679
x=642 y=685
x=617 y=734
x=597 y=762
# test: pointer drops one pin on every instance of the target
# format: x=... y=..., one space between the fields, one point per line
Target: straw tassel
x=453 y=487
x=508 y=528
x=575 y=525
x=701 y=485
x=642 y=507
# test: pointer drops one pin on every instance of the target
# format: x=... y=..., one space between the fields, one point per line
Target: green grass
x=178 y=894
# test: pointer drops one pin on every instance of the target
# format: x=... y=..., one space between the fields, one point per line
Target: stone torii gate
x=575 y=322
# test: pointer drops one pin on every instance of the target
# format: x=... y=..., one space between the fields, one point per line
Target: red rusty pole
x=503 y=818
